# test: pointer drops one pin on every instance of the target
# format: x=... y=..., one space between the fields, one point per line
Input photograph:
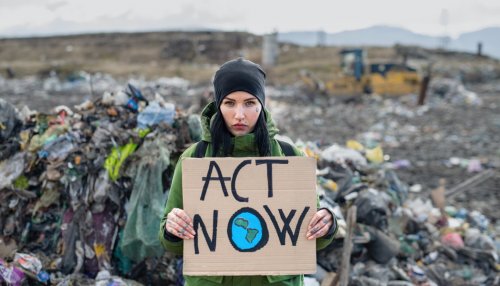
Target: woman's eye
x=250 y=103
x=229 y=103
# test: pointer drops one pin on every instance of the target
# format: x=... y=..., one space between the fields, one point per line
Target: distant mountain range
x=389 y=36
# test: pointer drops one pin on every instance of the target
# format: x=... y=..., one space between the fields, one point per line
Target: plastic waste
x=479 y=220
x=194 y=127
x=417 y=188
x=11 y=275
x=354 y=145
x=453 y=239
x=475 y=239
x=86 y=105
x=431 y=257
x=51 y=134
x=135 y=98
x=417 y=274
x=375 y=155
x=399 y=164
x=43 y=276
x=147 y=200
x=11 y=169
x=371 y=209
x=328 y=184
x=311 y=281
x=9 y=148
x=342 y=176
x=104 y=278
x=59 y=148
x=119 y=98
x=10 y=123
x=336 y=153
x=28 y=262
x=381 y=247
x=124 y=265
x=474 y=166
x=397 y=189
x=154 y=114
x=115 y=160
x=461 y=213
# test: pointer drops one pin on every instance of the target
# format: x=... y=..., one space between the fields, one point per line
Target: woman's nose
x=239 y=113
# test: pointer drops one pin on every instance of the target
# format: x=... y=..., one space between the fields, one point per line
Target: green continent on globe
x=241 y=222
x=251 y=234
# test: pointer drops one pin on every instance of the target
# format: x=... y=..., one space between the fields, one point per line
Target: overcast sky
x=431 y=17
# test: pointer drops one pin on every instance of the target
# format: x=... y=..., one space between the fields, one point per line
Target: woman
x=236 y=124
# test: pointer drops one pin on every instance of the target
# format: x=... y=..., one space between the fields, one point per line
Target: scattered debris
x=73 y=182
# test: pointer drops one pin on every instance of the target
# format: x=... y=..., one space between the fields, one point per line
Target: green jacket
x=244 y=146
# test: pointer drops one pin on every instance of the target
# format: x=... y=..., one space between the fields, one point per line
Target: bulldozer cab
x=352 y=63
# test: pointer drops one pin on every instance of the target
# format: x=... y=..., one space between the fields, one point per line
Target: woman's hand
x=320 y=224
x=179 y=224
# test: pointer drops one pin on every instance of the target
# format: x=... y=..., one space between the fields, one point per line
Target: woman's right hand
x=179 y=224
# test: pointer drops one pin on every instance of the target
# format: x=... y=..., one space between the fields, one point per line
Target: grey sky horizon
x=54 y=17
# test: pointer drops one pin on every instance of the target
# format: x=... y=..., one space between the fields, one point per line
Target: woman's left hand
x=320 y=224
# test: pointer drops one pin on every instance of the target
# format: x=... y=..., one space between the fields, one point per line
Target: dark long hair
x=221 y=137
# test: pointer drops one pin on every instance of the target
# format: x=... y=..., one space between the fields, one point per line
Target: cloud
x=54 y=5
x=30 y=17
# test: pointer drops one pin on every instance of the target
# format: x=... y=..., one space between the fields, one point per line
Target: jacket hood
x=209 y=112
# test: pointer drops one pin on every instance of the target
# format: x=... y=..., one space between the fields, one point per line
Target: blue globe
x=247 y=230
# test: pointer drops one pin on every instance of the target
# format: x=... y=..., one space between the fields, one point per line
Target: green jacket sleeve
x=174 y=201
x=321 y=242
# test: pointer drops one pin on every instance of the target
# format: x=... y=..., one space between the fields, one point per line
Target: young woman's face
x=240 y=111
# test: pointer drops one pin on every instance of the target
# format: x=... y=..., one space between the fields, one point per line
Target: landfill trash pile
x=399 y=237
x=82 y=190
x=74 y=209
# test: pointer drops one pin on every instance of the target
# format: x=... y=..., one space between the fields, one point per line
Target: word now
x=280 y=232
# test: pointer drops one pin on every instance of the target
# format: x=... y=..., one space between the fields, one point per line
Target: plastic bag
x=10 y=169
x=154 y=114
x=145 y=209
x=335 y=153
x=372 y=209
x=115 y=160
x=10 y=275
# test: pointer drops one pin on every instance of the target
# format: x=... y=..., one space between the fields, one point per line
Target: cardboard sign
x=250 y=215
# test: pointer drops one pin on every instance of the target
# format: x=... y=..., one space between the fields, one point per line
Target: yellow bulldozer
x=358 y=78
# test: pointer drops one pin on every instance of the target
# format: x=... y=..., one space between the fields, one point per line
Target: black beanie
x=239 y=75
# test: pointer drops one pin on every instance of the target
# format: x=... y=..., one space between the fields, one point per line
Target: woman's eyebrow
x=250 y=99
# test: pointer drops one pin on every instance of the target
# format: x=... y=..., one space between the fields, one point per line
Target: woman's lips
x=239 y=126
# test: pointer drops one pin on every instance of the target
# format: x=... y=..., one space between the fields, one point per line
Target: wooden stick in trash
x=343 y=277
x=464 y=186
